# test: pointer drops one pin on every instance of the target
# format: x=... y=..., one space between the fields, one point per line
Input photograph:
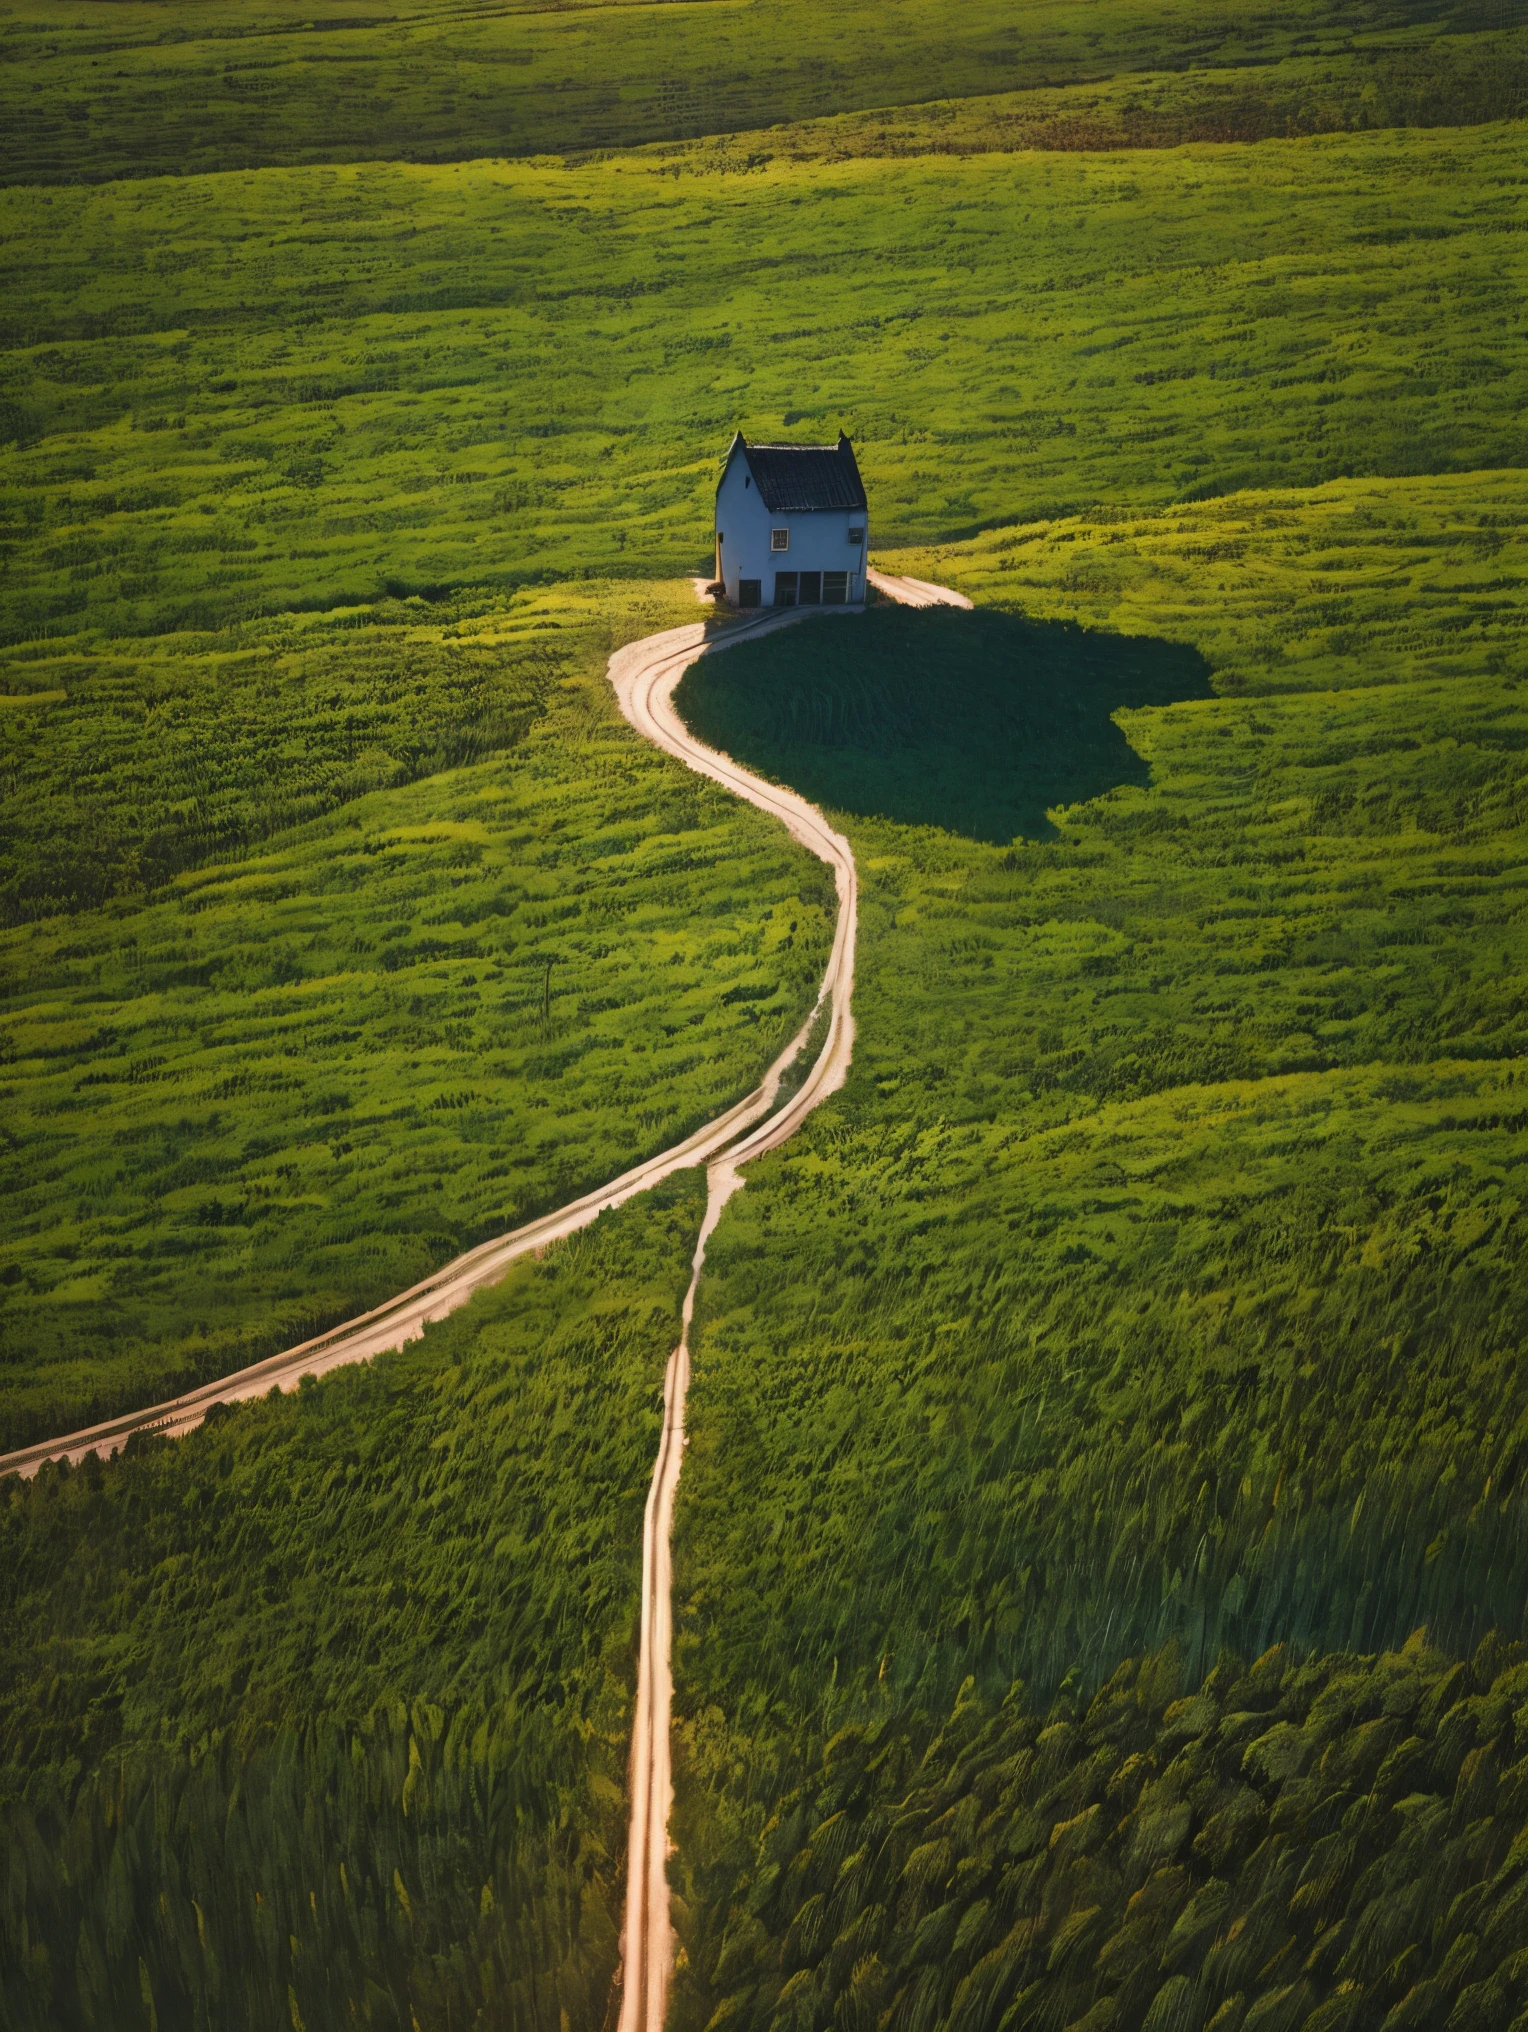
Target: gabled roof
x=793 y=479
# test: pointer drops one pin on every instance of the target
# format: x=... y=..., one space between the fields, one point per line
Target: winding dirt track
x=645 y=676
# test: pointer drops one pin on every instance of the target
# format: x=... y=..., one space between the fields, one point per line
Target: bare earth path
x=639 y=672
x=645 y=675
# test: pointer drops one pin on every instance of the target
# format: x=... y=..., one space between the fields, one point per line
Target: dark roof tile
x=796 y=478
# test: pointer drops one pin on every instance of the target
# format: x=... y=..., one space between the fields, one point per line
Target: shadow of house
x=980 y=723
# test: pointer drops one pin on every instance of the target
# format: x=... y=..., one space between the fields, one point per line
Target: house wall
x=819 y=540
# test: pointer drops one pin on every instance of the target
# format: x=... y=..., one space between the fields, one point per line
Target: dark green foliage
x=335 y=1693
x=979 y=723
x=270 y=1094
x=129 y=90
x=1290 y=1844
x=141 y=767
x=423 y=1868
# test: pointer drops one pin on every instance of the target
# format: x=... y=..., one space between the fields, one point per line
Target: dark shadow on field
x=976 y=722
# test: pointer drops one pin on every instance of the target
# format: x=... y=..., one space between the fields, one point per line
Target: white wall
x=819 y=540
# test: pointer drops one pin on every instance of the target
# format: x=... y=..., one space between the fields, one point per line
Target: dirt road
x=641 y=672
x=915 y=592
x=645 y=676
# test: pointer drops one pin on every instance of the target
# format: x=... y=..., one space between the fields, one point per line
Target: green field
x=1155 y=1277
x=1101 y=1563
x=243 y=395
x=347 y=1676
x=251 y=1100
x=129 y=89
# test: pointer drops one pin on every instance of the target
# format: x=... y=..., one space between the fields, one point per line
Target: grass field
x=119 y=88
x=1152 y=1282
x=252 y=1098
x=1151 y=1292
x=323 y=1712
x=247 y=394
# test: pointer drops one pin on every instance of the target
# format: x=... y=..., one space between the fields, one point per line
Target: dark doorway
x=785 y=589
x=748 y=592
x=811 y=589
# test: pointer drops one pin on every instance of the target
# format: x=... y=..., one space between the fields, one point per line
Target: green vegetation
x=1151 y=1291
x=274 y=1090
x=1358 y=582
x=241 y=395
x=130 y=766
x=978 y=723
x=1186 y=1120
x=1439 y=81
x=1155 y=1275
x=329 y=1702
x=1334 y=1844
x=121 y=89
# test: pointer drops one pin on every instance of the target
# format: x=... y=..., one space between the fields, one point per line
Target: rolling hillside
x=1100 y=1568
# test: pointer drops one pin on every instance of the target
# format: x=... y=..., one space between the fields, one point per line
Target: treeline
x=1332 y=1843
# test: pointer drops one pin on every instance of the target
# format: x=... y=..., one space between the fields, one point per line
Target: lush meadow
x=120 y=88
x=243 y=395
x=1154 y=1280
x=320 y=1716
x=1152 y=1290
x=252 y=1097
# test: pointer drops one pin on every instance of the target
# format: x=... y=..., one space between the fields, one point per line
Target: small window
x=856 y=535
x=835 y=588
x=779 y=539
x=748 y=592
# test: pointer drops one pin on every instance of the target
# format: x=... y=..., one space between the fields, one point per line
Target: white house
x=791 y=525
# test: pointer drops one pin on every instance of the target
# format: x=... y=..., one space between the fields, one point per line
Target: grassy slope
x=910 y=1276
x=1416 y=81
x=1185 y=1078
x=329 y=1702
x=129 y=89
x=1330 y=1843
x=1155 y=1276
x=274 y=1091
x=1359 y=582
x=249 y=393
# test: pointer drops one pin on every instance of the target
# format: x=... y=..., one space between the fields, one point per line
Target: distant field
x=273 y=1090
x=121 y=88
x=320 y=388
x=1425 y=80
